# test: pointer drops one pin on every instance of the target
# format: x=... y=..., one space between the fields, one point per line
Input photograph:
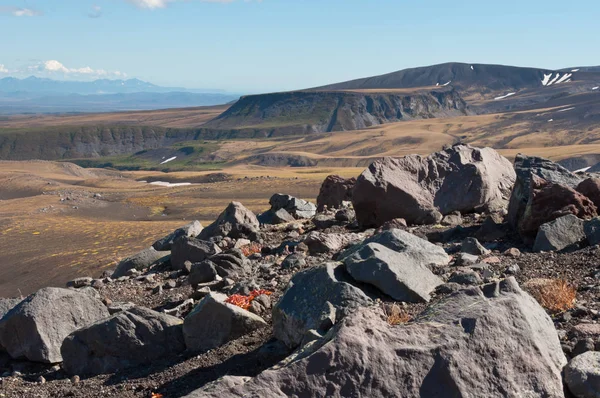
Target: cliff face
x=318 y=112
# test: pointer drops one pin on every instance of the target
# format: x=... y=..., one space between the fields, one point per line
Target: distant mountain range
x=40 y=95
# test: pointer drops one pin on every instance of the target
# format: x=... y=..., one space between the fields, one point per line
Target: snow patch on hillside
x=169 y=160
x=504 y=96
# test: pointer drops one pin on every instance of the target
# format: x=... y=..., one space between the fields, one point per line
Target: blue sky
x=269 y=45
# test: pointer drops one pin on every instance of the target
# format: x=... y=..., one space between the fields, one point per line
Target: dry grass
x=555 y=295
x=395 y=314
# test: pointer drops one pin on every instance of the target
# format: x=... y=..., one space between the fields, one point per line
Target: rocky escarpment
x=304 y=112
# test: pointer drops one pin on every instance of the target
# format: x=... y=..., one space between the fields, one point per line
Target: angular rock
x=213 y=323
x=190 y=230
x=230 y=264
x=461 y=178
x=312 y=298
x=420 y=251
x=298 y=208
x=400 y=275
x=294 y=260
x=137 y=336
x=472 y=246
x=36 y=327
x=324 y=221
x=275 y=217
x=582 y=375
x=7 y=304
x=559 y=234
x=452 y=220
x=345 y=215
x=235 y=221
x=80 y=282
x=591 y=189
x=192 y=250
x=547 y=202
x=493 y=342
x=319 y=242
x=525 y=168
x=141 y=261
x=202 y=272
x=334 y=191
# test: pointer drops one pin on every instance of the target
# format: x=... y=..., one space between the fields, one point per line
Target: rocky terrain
x=455 y=274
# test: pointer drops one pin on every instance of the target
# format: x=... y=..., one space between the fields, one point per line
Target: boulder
x=493 y=342
x=235 y=221
x=582 y=375
x=549 y=201
x=213 y=322
x=591 y=189
x=293 y=261
x=400 y=275
x=312 y=299
x=491 y=229
x=345 y=215
x=452 y=220
x=137 y=336
x=280 y=216
x=420 y=251
x=334 y=191
x=202 y=272
x=231 y=264
x=320 y=242
x=192 y=250
x=36 y=327
x=461 y=178
x=525 y=168
x=324 y=221
x=559 y=234
x=141 y=261
x=190 y=230
x=298 y=208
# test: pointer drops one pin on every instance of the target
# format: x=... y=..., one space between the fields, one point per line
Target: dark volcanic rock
x=559 y=234
x=235 y=221
x=192 y=229
x=280 y=216
x=137 y=336
x=446 y=352
x=141 y=261
x=461 y=178
x=192 y=250
x=334 y=191
x=298 y=208
x=591 y=189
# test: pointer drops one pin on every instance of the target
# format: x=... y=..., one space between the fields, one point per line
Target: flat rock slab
x=559 y=234
x=397 y=274
x=140 y=261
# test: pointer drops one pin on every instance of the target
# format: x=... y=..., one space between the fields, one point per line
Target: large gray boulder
x=582 y=375
x=493 y=342
x=525 y=168
x=397 y=274
x=235 y=221
x=192 y=230
x=7 y=304
x=299 y=208
x=192 y=250
x=141 y=261
x=421 y=190
x=314 y=300
x=36 y=327
x=213 y=322
x=559 y=234
x=134 y=337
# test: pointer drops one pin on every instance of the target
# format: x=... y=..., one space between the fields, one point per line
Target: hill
x=305 y=112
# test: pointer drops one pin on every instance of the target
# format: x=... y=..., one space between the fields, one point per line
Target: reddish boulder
x=591 y=189
x=334 y=191
x=549 y=201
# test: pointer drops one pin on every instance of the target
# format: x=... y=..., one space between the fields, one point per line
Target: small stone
x=466 y=259
x=512 y=269
x=512 y=252
x=452 y=220
x=472 y=246
x=41 y=380
x=75 y=379
x=582 y=346
x=170 y=285
x=465 y=278
x=492 y=260
x=157 y=290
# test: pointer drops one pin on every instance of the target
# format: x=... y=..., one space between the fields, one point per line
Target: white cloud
x=20 y=12
x=55 y=67
x=3 y=69
x=96 y=11
x=154 y=4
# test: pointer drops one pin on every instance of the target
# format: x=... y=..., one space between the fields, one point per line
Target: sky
x=251 y=46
